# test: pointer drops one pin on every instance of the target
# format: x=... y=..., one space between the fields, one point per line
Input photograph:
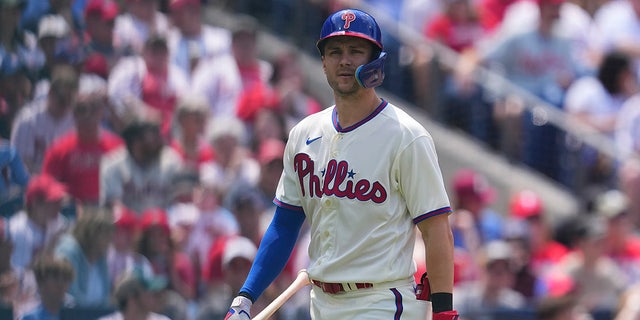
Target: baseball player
x=363 y=174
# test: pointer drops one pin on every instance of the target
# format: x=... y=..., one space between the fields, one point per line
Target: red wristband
x=446 y=315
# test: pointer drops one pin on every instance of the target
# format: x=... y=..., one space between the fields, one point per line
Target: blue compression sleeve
x=275 y=248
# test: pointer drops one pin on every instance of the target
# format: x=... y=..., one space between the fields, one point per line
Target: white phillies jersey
x=362 y=189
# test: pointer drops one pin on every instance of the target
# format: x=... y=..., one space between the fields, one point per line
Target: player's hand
x=240 y=309
x=446 y=315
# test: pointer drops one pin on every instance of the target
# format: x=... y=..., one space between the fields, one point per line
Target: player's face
x=342 y=56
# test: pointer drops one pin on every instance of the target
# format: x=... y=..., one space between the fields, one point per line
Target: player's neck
x=353 y=108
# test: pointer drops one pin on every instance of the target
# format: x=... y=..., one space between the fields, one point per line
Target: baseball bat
x=301 y=281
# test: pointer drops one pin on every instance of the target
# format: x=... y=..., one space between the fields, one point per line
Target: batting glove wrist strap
x=446 y=315
x=240 y=309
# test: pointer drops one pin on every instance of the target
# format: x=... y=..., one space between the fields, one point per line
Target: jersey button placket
x=335 y=144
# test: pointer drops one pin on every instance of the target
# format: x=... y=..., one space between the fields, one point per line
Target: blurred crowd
x=580 y=58
x=140 y=152
x=141 y=147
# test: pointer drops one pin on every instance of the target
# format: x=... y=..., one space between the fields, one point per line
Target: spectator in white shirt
x=40 y=123
x=141 y=20
x=139 y=177
x=35 y=230
x=191 y=41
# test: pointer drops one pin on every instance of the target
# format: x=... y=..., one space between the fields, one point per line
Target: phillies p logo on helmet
x=348 y=17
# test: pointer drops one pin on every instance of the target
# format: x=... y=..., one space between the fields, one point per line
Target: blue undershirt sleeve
x=275 y=248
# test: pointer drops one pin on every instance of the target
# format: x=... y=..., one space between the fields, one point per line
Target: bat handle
x=301 y=281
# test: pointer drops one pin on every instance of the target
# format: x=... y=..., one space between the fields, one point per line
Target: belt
x=334 y=288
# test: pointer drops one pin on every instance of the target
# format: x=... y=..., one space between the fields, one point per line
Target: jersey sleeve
x=420 y=180
x=288 y=192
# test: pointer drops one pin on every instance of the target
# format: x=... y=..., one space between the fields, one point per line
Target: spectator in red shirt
x=244 y=45
x=100 y=18
x=492 y=13
x=147 y=86
x=457 y=26
x=527 y=207
x=74 y=159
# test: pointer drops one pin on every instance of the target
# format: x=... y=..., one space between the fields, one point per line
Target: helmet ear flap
x=371 y=75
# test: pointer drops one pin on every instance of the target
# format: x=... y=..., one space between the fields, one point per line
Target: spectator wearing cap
x=191 y=116
x=122 y=256
x=140 y=176
x=53 y=277
x=156 y=244
x=622 y=244
x=139 y=21
x=148 y=86
x=527 y=209
x=477 y=299
x=74 y=159
x=599 y=282
x=475 y=222
x=85 y=247
x=182 y=220
x=36 y=230
x=14 y=176
x=54 y=34
x=137 y=296
x=44 y=120
x=100 y=16
x=191 y=41
x=60 y=47
x=236 y=258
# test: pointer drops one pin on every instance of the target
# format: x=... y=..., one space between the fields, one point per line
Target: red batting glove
x=446 y=315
